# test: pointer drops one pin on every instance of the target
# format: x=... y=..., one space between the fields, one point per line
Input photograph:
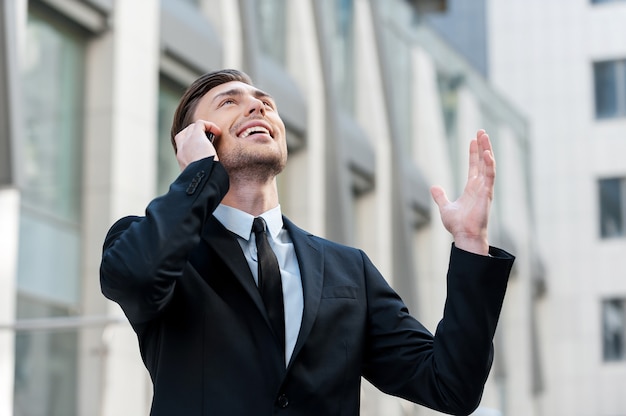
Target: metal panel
x=361 y=158
x=189 y=37
x=103 y=5
x=270 y=75
x=291 y=104
x=429 y=6
x=89 y=14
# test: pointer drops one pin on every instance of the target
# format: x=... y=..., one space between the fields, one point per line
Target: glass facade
x=614 y=329
x=272 y=20
x=339 y=18
x=46 y=365
x=64 y=210
x=610 y=88
x=611 y=195
x=464 y=26
x=397 y=52
x=448 y=90
x=399 y=55
x=48 y=280
x=167 y=166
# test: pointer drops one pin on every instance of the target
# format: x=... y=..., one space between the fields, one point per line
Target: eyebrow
x=239 y=92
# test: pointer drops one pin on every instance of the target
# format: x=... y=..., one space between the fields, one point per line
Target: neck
x=252 y=197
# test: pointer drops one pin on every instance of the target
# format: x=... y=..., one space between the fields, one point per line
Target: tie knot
x=258 y=225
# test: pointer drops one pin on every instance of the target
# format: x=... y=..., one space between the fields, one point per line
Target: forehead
x=233 y=88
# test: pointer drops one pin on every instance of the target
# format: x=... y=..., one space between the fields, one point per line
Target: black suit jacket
x=204 y=336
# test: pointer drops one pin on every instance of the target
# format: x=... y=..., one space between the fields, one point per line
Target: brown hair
x=183 y=116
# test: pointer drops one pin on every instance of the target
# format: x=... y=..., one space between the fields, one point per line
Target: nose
x=256 y=106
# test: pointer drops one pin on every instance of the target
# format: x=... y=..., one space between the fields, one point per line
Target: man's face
x=253 y=138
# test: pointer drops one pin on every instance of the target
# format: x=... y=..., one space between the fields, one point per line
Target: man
x=187 y=276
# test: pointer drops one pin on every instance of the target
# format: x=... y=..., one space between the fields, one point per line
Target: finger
x=192 y=143
x=181 y=136
x=483 y=138
x=199 y=130
x=210 y=128
x=490 y=166
x=474 y=159
x=480 y=141
x=439 y=196
x=488 y=159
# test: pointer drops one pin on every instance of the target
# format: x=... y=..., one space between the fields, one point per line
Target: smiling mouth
x=254 y=130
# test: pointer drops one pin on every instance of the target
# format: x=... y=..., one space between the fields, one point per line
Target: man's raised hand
x=467 y=217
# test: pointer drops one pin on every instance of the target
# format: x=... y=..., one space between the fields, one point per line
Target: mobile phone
x=210 y=136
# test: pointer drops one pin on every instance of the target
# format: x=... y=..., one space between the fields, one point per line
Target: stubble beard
x=247 y=165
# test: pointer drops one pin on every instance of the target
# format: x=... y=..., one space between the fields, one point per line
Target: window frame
x=609 y=356
x=44 y=351
x=602 y=229
x=618 y=67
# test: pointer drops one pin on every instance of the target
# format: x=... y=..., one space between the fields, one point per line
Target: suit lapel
x=227 y=248
x=310 y=255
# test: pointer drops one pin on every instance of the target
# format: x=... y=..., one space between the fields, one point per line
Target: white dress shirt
x=240 y=223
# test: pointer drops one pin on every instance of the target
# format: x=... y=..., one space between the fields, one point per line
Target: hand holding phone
x=190 y=146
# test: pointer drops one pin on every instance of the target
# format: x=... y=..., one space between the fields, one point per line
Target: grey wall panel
x=189 y=36
x=274 y=79
x=105 y=6
x=91 y=15
x=361 y=157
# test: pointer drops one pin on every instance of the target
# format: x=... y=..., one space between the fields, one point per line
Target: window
x=614 y=329
x=398 y=54
x=339 y=16
x=272 y=21
x=398 y=20
x=48 y=275
x=167 y=165
x=610 y=88
x=449 y=93
x=612 y=192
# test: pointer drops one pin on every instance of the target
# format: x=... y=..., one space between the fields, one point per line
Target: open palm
x=467 y=217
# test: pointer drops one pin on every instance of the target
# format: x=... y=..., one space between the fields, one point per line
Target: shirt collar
x=240 y=222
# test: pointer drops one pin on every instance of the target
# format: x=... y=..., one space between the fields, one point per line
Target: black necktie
x=270 y=283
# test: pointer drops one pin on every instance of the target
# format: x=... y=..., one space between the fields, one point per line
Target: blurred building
x=463 y=25
x=377 y=108
x=564 y=64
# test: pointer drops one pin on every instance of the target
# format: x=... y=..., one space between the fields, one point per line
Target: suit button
x=194 y=183
x=191 y=188
x=282 y=401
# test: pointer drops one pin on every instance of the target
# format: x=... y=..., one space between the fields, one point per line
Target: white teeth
x=255 y=129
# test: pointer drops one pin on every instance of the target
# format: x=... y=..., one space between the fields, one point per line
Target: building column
x=9 y=192
x=9 y=225
x=120 y=136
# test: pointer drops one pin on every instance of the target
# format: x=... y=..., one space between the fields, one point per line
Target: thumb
x=439 y=196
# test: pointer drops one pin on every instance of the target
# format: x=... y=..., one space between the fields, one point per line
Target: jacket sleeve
x=447 y=371
x=144 y=256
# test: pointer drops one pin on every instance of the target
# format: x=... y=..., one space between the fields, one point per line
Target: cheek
x=283 y=132
x=227 y=145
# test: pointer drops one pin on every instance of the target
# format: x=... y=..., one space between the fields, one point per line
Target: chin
x=254 y=164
